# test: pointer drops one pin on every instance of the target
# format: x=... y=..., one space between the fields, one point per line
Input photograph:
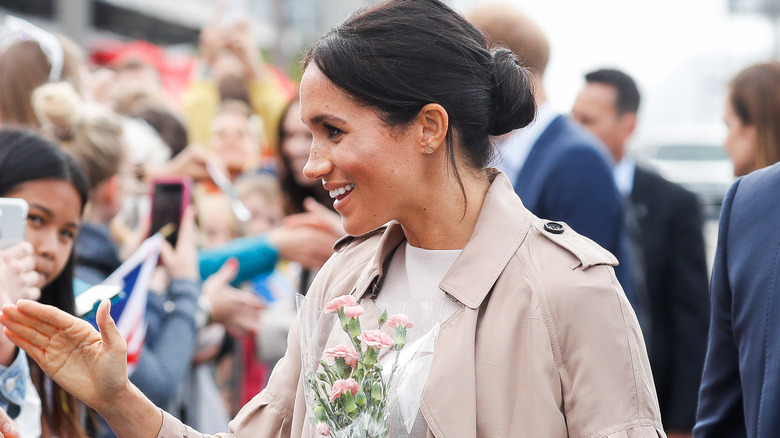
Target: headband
x=15 y=29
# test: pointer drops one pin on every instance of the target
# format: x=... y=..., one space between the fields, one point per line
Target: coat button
x=553 y=227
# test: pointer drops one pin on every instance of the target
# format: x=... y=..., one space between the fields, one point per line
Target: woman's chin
x=358 y=228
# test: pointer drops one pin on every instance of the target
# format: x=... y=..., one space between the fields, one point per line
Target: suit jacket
x=675 y=269
x=543 y=344
x=740 y=390
x=567 y=177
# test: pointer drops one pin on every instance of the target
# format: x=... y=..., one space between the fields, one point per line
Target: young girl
x=51 y=182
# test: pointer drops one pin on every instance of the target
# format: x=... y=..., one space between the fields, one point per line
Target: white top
x=518 y=144
x=411 y=286
x=29 y=420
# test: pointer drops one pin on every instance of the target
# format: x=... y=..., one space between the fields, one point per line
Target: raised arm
x=90 y=365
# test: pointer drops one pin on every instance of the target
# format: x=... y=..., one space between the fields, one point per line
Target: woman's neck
x=447 y=219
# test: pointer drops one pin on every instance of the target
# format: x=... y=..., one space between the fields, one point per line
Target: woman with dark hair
x=536 y=335
x=293 y=149
x=51 y=182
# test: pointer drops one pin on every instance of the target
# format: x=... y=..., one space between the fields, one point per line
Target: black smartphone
x=170 y=196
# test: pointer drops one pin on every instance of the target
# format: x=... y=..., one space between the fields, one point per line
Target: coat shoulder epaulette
x=588 y=252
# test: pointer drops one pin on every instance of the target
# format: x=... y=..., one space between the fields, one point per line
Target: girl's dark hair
x=294 y=193
x=26 y=156
x=404 y=54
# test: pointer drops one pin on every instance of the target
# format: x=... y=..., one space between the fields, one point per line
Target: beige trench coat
x=544 y=344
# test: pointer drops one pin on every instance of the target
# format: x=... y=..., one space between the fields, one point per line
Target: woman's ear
x=434 y=123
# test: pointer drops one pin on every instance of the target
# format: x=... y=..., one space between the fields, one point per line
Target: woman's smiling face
x=370 y=169
x=52 y=223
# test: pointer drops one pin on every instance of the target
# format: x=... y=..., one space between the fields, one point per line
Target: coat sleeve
x=720 y=411
x=606 y=382
x=268 y=415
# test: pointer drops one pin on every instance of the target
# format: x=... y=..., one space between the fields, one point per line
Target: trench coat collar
x=501 y=227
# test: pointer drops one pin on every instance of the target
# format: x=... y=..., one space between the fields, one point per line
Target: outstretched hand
x=90 y=365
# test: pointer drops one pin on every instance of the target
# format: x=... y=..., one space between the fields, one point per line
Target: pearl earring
x=429 y=149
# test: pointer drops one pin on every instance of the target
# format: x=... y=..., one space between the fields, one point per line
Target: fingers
x=18 y=251
x=302 y=220
x=30 y=335
x=31 y=293
x=167 y=253
x=187 y=228
x=21 y=265
x=44 y=318
x=7 y=426
x=31 y=279
x=36 y=353
x=108 y=330
x=227 y=272
x=144 y=227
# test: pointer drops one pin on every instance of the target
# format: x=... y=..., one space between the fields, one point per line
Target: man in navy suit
x=671 y=245
x=740 y=389
x=559 y=170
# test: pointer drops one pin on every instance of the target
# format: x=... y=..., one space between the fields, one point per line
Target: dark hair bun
x=513 y=98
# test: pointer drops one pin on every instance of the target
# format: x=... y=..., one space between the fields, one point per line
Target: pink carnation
x=343 y=301
x=342 y=387
x=353 y=311
x=376 y=338
x=400 y=320
x=350 y=355
x=323 y=429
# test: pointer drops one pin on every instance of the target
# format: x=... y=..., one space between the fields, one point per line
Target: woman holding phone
x=51 y=182
x=536 y=335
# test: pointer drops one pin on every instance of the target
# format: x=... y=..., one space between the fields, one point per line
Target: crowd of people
x=418 y=157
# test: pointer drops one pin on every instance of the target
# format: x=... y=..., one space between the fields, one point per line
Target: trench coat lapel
x=449 y=397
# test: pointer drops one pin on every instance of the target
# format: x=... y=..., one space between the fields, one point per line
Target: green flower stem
x=392 y=371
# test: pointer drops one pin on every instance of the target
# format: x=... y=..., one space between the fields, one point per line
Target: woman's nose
x=45 y=242
x=318 y=164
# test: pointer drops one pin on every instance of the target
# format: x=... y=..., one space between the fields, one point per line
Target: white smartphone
x=13 y=221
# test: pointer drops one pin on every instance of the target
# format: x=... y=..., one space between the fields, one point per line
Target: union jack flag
x=127 y=288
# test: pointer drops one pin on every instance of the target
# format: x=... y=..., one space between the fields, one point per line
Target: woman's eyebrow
x=321 y=117
x=46 y=212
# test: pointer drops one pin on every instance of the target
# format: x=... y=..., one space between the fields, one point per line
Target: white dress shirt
x=624 y=172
